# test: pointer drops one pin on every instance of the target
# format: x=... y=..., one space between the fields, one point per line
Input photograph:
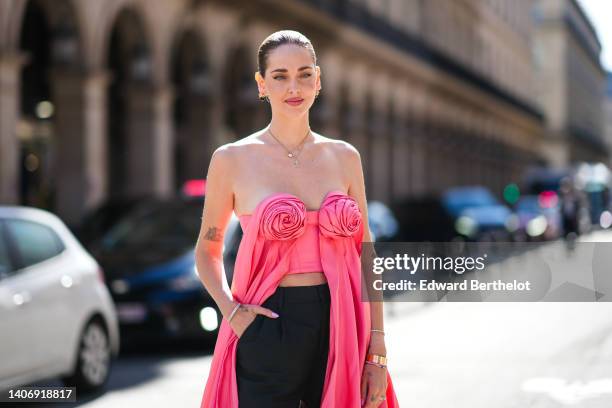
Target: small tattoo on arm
x=213 y=234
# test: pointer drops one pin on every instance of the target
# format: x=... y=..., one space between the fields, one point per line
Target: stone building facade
x=571 y=83
x=103 y=99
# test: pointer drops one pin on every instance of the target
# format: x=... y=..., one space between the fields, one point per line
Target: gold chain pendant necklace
x=292 y=155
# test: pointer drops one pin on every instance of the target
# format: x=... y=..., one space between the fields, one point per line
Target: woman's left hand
x=373 y=385
x=374 y=378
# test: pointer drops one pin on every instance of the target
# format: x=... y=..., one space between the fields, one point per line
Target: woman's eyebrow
x=285 y=70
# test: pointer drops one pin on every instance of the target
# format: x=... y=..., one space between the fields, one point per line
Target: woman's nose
x=293 y=85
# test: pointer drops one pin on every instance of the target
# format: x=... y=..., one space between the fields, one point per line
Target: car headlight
x=467 y=226
x=120 y=286
x=537 y=226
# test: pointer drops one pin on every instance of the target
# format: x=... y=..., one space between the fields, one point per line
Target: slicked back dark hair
x=277 y=39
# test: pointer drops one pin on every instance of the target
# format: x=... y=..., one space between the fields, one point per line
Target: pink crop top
x=305 y=256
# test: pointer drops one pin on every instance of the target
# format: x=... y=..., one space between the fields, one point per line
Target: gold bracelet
x=377 y=365
x=377 y=330
x=376 y=358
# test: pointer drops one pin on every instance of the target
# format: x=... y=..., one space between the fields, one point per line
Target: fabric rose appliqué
x=283 y=218
x=339 y=216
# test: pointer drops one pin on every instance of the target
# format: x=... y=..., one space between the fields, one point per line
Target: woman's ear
x=318 y=70
x=260 y=83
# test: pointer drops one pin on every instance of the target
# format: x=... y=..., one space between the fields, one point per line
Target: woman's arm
x=218 y=208
x=354 y=172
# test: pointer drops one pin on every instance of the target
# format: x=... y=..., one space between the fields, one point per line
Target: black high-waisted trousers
x=280 y=361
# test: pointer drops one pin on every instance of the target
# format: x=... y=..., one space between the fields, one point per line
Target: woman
x=294 y=331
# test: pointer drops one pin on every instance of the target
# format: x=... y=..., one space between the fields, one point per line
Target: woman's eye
x=282 y=77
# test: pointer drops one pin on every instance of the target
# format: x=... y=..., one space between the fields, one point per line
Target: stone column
x=218 y=128
x=149 y=132
x=410 y=130
x=10 y=66
x=80 y=122
x=430 y=156
x=379 y=160
x=554 y=147
x=465 y=156
x=356 y=135
x=95 y=124
x=418 y=156
x=401 y=160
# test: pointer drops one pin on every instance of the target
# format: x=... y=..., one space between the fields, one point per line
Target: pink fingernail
x=274 y=314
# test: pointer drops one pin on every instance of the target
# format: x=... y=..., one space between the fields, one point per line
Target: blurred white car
x=57 y=318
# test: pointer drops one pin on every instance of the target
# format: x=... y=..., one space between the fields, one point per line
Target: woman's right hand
x=245 y=315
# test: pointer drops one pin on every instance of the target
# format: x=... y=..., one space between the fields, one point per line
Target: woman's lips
x=294 y=102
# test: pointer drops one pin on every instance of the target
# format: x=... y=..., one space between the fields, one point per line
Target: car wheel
x=93 y=359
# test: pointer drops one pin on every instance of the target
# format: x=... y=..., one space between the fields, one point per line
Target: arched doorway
x=244 y=112
x=48 y=152
x=192 y=108
x=130 y=147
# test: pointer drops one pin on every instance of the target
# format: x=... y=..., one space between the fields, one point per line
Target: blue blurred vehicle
x=539 y=216
x=459 y=214
x=478 y=215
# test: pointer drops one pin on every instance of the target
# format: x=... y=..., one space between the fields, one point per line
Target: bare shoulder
x=231 y=153
x=342 y=150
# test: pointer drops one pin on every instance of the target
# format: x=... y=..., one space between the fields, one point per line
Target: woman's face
x=292 y=80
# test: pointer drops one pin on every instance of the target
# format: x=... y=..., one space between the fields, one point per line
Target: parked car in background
x=478 y=215
x=541 y=179
x=423 y=219
x=149 y=259
x=99 y=220
x=57 y=318
x=460 y=213
x=539 y=216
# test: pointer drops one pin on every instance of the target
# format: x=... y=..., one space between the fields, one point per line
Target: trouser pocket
x=259 y=352
x=251 y=330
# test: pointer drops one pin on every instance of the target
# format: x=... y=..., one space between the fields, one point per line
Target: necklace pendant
x=290 y=155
